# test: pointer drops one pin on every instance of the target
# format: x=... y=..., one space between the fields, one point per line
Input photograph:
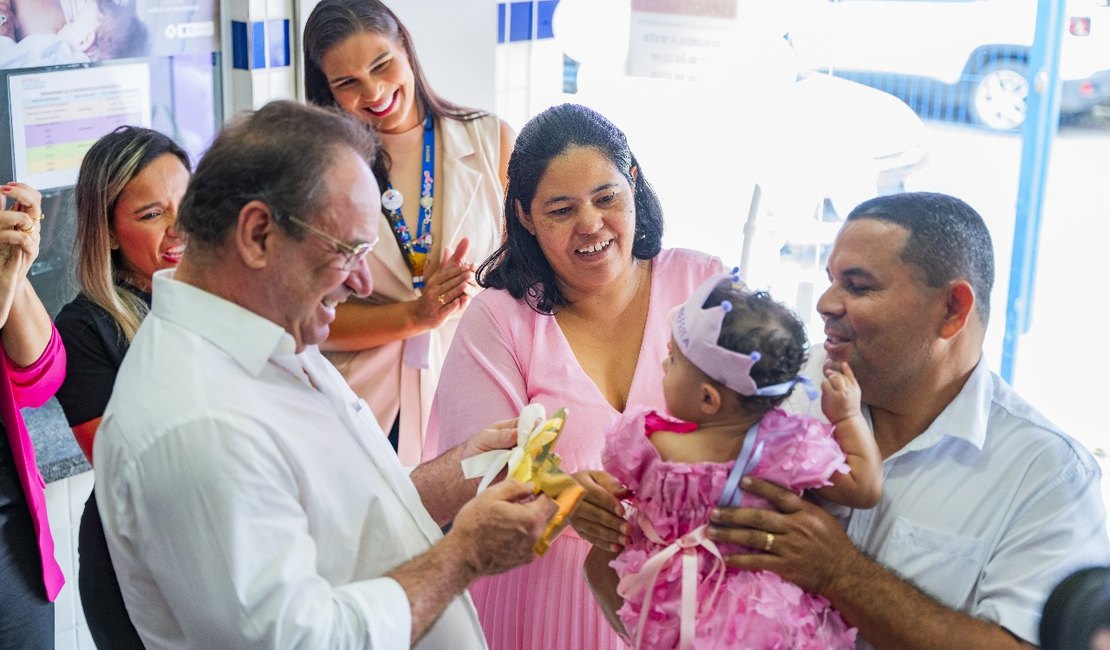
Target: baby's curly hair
x=757 y=322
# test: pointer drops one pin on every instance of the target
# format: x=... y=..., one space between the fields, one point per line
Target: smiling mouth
x=174 y=253
x=383 y=107
x=594 y=249
x=331 y=301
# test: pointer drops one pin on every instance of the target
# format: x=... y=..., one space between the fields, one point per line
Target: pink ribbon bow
x=645 y=579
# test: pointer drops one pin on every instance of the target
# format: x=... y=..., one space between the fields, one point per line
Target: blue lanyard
x=416 y=250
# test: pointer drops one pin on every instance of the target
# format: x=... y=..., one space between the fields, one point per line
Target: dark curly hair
x=757 y=322
x=519 y=266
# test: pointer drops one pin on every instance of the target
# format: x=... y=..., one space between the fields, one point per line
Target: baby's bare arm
x=862 y=486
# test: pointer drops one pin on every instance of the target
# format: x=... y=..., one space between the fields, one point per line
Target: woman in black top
x=128 y=191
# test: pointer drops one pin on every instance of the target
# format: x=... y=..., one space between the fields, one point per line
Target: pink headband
x=696 y=331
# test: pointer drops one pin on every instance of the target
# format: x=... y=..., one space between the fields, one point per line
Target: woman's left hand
x=599 y=518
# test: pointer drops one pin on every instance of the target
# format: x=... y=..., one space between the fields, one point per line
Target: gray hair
x=280 y=155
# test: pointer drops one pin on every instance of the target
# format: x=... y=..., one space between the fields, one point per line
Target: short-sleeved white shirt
x=988 y=509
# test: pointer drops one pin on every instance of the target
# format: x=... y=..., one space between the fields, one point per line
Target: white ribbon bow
x=488 y=464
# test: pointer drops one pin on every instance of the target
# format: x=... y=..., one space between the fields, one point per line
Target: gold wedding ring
x=769 y=543
x=442 y=299
x=34 y=220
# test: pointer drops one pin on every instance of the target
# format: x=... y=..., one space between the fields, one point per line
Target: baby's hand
x=840 y=394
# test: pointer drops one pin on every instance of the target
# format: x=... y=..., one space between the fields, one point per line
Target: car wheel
x=998 y=97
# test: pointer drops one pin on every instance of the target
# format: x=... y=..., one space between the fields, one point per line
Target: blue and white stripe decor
x=261 y=67
x=260 y=44
x=515 y=20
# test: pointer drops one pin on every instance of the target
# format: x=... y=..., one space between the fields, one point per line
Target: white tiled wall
x=65 y=501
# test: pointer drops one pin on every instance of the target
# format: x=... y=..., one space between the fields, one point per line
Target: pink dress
x=504 y=356
x=734 y=609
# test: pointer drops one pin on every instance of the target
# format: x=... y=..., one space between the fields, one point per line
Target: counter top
x=57 y=452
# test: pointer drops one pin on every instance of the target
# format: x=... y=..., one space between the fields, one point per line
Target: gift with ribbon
x=534 y=460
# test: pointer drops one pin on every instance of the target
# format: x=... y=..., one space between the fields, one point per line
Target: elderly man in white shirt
x=248 y=496
x=986 y=505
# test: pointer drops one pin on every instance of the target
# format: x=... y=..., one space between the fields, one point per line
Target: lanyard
x=415 y=250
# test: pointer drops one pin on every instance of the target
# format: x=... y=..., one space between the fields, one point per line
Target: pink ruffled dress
x=671 y=502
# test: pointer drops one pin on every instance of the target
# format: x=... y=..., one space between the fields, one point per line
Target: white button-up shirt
x=249 y=498
x=988 y=509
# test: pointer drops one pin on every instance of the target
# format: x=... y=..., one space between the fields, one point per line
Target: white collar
x=966 y=416
x=248 y=338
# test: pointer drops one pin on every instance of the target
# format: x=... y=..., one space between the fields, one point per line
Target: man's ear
x=958 y=308
x=710 y=398
x=524 y=218
x=254 y=232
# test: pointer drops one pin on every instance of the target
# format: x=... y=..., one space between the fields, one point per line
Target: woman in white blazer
x=443 y=178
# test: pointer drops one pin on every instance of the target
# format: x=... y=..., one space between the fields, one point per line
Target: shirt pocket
x=943 y=565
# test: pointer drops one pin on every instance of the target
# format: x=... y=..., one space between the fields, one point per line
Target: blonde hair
x=110 y=164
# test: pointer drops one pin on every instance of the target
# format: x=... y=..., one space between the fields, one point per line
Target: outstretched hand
x=445 y=289
x=599 y=518
x=798 y=540
x=499 y=435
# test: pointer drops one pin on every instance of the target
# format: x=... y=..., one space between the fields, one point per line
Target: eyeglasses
x=354 y=254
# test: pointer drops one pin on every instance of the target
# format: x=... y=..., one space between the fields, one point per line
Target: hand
x=599 y=518
x=840 y=394
x=499 y=435
x=445 y=289
x=19 y=240
x=497 y=530
x=807 y=545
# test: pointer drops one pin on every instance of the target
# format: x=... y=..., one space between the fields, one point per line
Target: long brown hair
x=334 y=21
x=110 y=164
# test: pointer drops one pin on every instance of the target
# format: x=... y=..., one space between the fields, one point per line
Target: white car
x=980 y=47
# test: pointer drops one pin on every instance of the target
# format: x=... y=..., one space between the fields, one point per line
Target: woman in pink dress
x=32 y=367
x=573 y=316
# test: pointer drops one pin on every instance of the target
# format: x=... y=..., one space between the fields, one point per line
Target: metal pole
x=1042 y=117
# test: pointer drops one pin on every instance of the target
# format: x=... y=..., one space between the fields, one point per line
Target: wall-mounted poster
x=681 y=40
x=57 y=115
x=40 y=33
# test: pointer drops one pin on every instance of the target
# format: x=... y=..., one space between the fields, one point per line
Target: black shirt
x=95 y=346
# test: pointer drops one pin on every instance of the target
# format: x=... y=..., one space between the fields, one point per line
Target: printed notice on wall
x=58 y=115
x=681 y=40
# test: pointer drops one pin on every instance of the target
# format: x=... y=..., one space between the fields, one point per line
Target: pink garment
x=504 y=356
x=31 y=387
x=751 y=610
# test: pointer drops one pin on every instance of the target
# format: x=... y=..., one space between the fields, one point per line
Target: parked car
x=978 y=48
